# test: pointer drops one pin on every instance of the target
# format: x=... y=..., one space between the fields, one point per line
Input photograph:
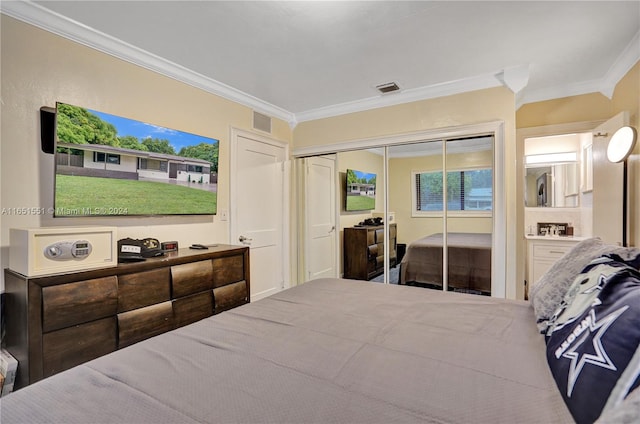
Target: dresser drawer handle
x=556 y=251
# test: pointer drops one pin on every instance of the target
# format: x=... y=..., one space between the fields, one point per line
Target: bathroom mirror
x=552 y=170
x=552 y=185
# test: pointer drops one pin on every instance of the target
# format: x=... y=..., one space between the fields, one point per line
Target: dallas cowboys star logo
x=600 y=358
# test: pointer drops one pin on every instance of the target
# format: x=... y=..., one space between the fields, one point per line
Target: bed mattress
x=329 y=350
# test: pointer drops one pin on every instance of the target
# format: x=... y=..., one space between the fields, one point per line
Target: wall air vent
x=389 y=87
x=261 y=122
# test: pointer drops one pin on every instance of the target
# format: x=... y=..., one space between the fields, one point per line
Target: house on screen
x=361 y=189
x=96 y=160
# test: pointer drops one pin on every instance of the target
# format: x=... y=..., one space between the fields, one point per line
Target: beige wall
x=594 y=107
x=39 y=68
x=587 y=107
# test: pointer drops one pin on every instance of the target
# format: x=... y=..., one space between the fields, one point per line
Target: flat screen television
x=107 y=165
x=361 y=191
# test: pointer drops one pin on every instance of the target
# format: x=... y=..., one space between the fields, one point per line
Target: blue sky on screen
x=366 y=175
x=141 y=130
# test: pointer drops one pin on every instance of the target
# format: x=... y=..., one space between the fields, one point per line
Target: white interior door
x=607 y=183
x=320 y=201
x=258 y=211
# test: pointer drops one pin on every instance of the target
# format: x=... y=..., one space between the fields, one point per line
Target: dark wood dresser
x=364 y=251
x=59 y=321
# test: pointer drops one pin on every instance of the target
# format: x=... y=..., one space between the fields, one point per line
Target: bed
x=329 y=350
x=469 y=256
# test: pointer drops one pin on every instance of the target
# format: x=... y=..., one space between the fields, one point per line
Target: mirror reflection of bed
x=468 y=259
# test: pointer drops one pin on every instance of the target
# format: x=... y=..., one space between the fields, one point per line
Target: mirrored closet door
x=415 y=203
x=417 y=213
x=469 y=214
x=446 y=188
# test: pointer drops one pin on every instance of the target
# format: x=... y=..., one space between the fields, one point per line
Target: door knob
x=244 y=239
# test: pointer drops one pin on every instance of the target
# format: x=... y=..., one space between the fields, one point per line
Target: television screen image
x=361 y=191
x=107 y=165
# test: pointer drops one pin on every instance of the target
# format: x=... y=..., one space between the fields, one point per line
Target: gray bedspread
x=469 y=261
x=330 y=350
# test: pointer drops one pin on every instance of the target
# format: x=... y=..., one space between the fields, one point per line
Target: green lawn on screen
x=356 y=203
x=79 y=195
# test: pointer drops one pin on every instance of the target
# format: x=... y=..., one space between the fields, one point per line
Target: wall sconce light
x=620 y=147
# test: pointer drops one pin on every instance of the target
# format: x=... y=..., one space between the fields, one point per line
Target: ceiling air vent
x=389 y=87
x=261 y=122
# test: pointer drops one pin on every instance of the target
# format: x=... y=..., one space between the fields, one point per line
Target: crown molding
x=559 y=91
x=606 y=85
x=622 y=65
x=515 y=79
x=43 y=18
x=404 y=96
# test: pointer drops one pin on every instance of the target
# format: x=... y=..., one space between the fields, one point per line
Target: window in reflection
x=469 y=190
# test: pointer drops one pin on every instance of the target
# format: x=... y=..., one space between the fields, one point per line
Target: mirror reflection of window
x=469 y=190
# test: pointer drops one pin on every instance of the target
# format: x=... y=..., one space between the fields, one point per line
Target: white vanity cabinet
x=542 y=252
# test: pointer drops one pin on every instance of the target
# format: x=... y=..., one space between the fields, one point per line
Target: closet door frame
x=501 y=244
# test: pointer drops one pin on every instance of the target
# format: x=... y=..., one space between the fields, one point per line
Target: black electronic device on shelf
x=134 y=250
x=371 y=221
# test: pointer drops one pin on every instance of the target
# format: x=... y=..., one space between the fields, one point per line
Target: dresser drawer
x=371 y=237
x=74 y=303
x=192 y=308
x=143 y=323
x=228 y=270
x=372 y=252
x=143 y=289
x=191 y=278
x=230 y=296
x=551 y=250
x=66 y=348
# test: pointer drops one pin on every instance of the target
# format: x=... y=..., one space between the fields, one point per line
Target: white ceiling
x=306 y=60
